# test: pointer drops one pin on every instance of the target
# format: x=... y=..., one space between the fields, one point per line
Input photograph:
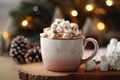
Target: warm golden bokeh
x=24 y=23
x=74 y=13
x=89 y=7
x=5 y=35
x=100 y=26
x=109 y=2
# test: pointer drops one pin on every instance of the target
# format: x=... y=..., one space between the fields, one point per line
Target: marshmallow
x=76 y=32
x=53 y=29
x=66 y=36
x=52 y=36
x=90 y=65
x=74 y=25
x=68 y=30
x=59 y=20
x=113 y=41
x=118 y=44
x=43 y=35
x=50 y=32
x=118 y=47
x=104 y=58
x=111 y=47
x=104 y=66
x=54 y=25
x=59 y=29
x=65 y=24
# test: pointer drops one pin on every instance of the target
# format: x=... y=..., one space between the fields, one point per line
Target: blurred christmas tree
x=32 y=16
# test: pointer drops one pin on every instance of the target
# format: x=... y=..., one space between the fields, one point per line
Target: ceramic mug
x=65 y=55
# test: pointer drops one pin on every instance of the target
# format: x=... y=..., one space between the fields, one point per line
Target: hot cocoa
x=62 y=29
x=62 y=46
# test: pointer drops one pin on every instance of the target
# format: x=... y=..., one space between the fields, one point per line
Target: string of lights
x=31 y=17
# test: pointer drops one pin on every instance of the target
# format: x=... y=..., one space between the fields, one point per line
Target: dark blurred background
x=96 y=18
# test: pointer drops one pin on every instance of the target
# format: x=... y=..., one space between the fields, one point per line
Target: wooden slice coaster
x=37 y=71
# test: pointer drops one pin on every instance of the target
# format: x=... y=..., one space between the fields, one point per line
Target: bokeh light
x=74 y=13
x=5 y=35
x=100 y=26
x=24 y=23
x=109 y=2
x=89 y=7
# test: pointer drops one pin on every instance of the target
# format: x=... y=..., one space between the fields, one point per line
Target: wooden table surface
x=37 y=71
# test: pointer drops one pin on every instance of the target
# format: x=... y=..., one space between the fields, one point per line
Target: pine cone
x=33 y=55
x=18 y=49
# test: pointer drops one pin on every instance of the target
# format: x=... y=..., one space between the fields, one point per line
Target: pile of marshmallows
x=113 y=54
x=111 y=61
x=61 y=29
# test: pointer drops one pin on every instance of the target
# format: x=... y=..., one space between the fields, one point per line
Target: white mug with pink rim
x=65 y=55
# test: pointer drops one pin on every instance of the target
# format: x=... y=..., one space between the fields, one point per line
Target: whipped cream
x=61 y=29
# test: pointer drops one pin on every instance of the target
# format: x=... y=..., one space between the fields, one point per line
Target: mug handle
x=95 y=49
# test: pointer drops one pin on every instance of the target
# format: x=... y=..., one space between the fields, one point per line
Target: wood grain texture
x=36 y=71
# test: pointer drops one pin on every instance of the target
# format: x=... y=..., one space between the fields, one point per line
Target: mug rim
x=62 y=39
x=82 y=37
